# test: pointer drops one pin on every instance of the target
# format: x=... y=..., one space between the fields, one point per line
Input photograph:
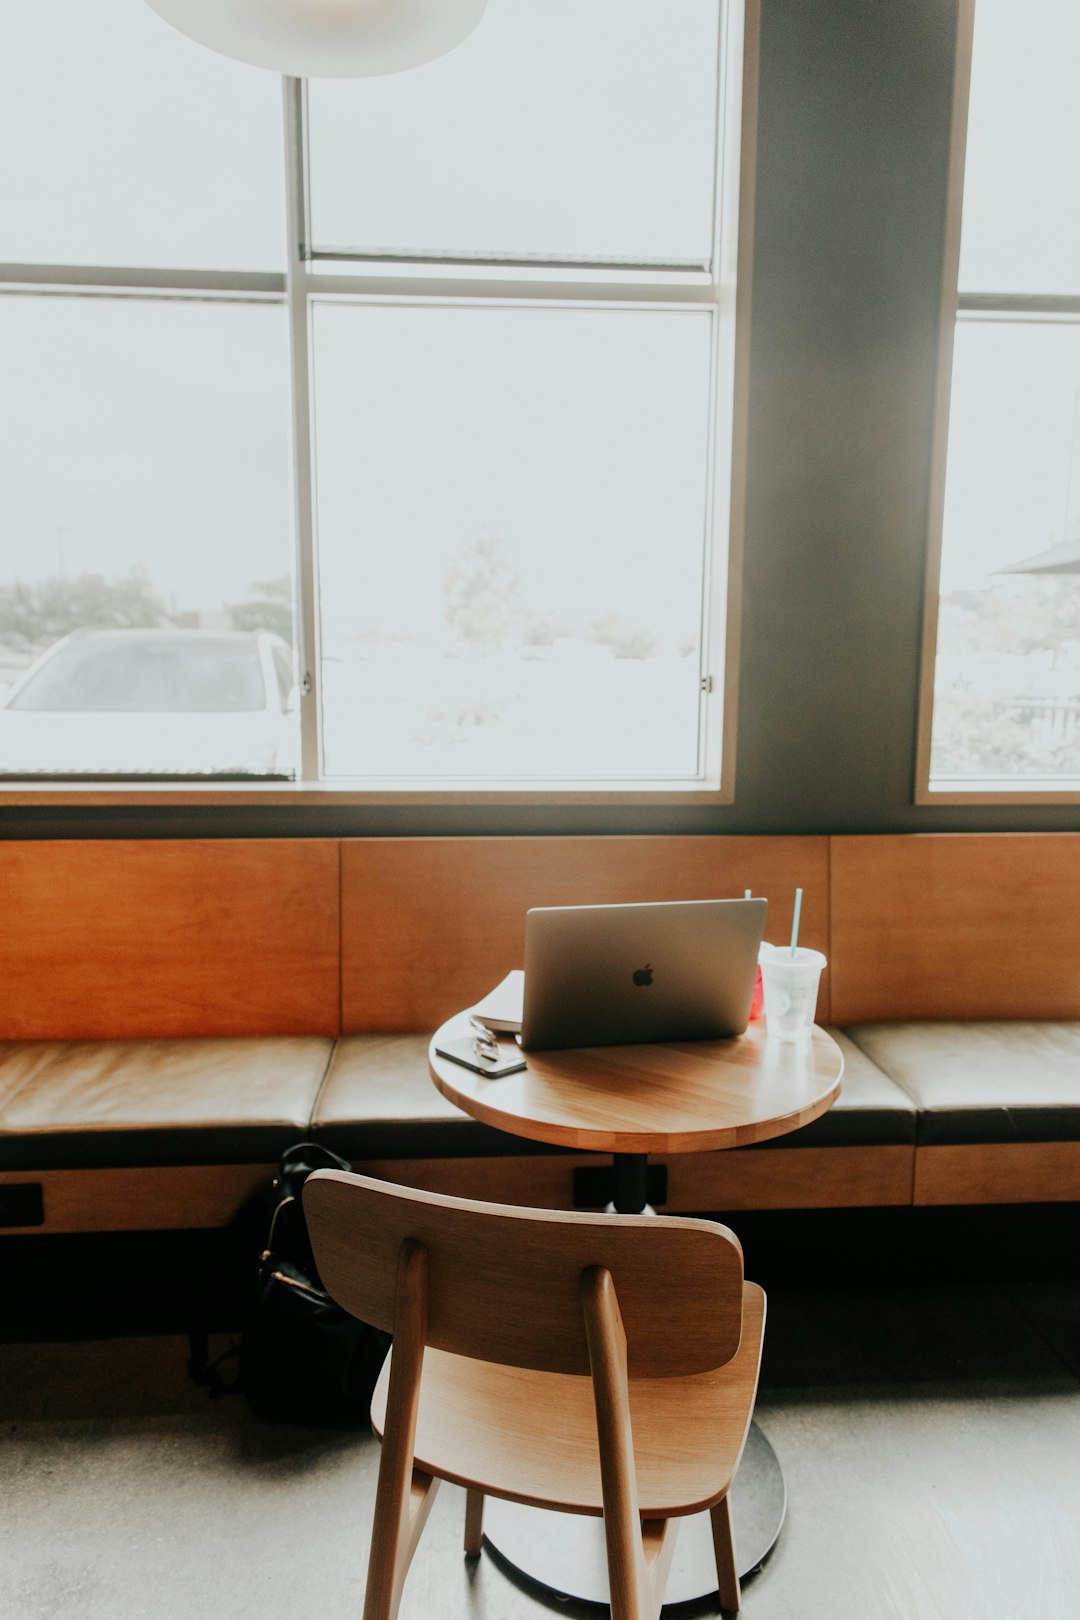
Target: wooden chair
x=600 y=1364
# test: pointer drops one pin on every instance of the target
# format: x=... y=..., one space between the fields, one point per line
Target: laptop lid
x=679 y=970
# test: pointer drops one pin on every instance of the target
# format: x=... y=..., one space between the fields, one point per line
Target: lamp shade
x=332 y=39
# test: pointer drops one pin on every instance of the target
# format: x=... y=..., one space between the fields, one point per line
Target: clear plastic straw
x=795 y=921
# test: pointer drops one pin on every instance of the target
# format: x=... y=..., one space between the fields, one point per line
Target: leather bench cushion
x=102 y=1104
x=983 y=1082
x=379 y=1102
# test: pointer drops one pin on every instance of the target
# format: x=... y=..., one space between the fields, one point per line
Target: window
x=370 y=436
x=1006 y=606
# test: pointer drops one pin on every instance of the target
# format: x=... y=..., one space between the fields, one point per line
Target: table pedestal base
x=565 y=1551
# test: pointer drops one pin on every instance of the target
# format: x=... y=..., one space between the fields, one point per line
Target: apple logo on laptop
x=643 y=975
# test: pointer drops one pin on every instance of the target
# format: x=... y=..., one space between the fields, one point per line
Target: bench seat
x=983 y=1082
x=378 y=1101
x=997 y=1106
x=68 y=1105
x=148 y=1135
x=379 y=1109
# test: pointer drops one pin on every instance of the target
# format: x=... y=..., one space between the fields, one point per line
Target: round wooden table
x=630 y=1101
x=679 y=1097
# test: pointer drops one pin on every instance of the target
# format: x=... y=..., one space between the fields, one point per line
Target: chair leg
x=629 y=1586
x=638 y=1567
x=404 y=1493
x=474 y=1522
x=393 y=1542
x=724 y=1548
x=658 y=1544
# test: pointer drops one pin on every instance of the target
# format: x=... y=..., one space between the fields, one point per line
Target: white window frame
x=957 y=307
x=313 y=276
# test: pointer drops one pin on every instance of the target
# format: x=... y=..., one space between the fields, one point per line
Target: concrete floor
x=930 y=1438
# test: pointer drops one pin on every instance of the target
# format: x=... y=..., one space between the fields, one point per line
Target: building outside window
x=371 y=435
x=1005 y=603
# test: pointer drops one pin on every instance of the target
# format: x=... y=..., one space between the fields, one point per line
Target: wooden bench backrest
x=429 y=925
x=955 y=925
x=505 y=1284
x=140 y=937
x=174 y=937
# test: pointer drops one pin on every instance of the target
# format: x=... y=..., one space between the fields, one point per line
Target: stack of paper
x=500 y=1009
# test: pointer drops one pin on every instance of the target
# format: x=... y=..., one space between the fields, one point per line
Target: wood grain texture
x=498 y=1425
x=164 y=1198
x=478 y=1426
x=679 y=1097
x=126 y=938
x=404 y=1495
x=767 y=1178
x=955 y=925
x=429 y=925
x=636 y=1582
x=535 y=1182
x=727 y=1569
x=792 y=1178
x=474 y=1523
x=998 y=1173
x=679 y=1281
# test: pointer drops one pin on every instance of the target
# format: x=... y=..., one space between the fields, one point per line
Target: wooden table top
x=676 y=1097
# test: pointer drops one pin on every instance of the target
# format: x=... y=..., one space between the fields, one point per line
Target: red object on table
x=757 y=1000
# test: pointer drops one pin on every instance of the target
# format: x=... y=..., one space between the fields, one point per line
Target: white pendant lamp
x=331 y=39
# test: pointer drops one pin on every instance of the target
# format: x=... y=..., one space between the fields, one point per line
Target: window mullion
x=308 y=661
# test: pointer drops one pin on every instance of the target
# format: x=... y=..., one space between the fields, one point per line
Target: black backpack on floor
x=302 y=1358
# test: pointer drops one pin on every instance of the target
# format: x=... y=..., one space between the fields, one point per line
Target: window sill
x=1003 y=790
x=277 y=794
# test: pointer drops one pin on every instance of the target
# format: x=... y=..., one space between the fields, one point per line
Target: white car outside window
x=153 y=702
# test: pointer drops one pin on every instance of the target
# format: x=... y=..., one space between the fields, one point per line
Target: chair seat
x=531 y=1436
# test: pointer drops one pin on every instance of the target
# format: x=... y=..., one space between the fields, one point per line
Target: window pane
x=566 y=129
x=1007 y=694
x=512 y=508
x=145 y=542
x=126 y=144
x=1021 y=230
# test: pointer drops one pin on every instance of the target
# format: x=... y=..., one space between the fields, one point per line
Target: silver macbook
x=611 y=975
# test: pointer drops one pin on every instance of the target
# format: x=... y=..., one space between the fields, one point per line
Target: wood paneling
x=998 y=1173
x=790 y=1178
x=128 y=938
x=955 y=925
x=429 y=925
x=767 y=1178
x=162 y=1198
x=537 y=1181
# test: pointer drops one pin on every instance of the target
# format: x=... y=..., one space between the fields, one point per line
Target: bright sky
x=1021 y=196
x=154 y=433
x=595 y=472
x=580 y=128
x=150 y=434
x=1014 y=446
x=1013 y=480
x=126 y=143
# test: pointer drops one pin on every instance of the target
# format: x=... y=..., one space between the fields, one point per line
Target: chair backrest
x=505 y=1284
